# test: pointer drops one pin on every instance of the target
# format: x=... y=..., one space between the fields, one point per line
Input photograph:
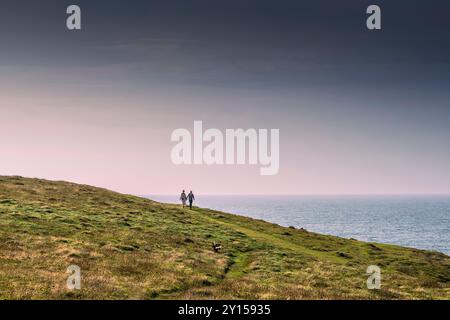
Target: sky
x=359 y=111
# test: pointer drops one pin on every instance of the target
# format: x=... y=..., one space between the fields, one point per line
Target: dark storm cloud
x=244 y=43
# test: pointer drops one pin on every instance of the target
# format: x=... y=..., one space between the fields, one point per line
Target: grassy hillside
x=134 y=248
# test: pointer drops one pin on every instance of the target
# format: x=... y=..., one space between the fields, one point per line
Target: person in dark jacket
x=191 y=199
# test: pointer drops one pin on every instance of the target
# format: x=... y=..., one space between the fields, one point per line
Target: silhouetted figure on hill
x=183 y=198
x=191 y=199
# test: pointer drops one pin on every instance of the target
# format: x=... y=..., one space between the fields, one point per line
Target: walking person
x=183 y=198
x=191 y=199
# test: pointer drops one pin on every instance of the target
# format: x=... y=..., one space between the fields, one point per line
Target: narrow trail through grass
x=238 y=266
x=274 y=240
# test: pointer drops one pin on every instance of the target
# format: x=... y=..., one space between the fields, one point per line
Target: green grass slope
x=133 y=248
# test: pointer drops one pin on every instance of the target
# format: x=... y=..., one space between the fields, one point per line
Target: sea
x=421 y=222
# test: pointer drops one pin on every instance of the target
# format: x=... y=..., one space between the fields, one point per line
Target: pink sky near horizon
x=118 y=137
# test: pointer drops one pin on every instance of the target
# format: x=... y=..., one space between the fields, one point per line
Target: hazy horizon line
x=307 y=194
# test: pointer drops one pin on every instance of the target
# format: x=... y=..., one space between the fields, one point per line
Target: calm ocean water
x=414 y=221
